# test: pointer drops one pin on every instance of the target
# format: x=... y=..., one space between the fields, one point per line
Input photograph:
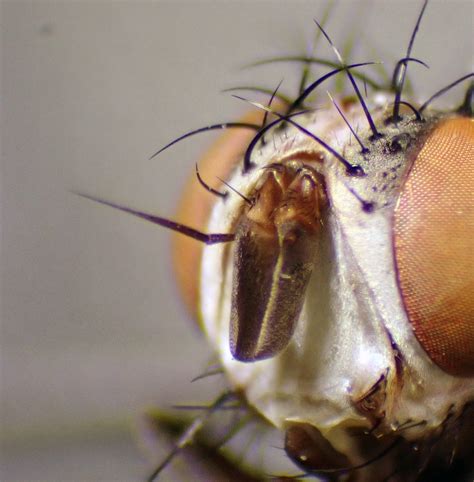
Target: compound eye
x=434 y=245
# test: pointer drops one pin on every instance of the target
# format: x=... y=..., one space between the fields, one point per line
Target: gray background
x=92 y=328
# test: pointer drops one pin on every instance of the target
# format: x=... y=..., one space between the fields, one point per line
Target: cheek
x=196 y=204
x=434 y=246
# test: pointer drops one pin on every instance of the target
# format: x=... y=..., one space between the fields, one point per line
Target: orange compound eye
x=196 y=204
x=434 y=245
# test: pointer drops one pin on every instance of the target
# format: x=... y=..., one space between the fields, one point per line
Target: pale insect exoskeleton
x=337 y=281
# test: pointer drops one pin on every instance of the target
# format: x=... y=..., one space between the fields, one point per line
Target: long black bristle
x=467 y=106
x=247 y=161
x=265 y=115
x=307 y=65
x=400 y=63
x=315 y=60
x=224 y=125
x=346 y=470
x=373 y=128
x=417 y=113
x=304 y=77
x=263 y=90
x=368 y=462
x=209 y=188
x=306 y=71
x=354 y=133
x=298 y=102
x=444 y=90
x=396 y=73
x=351 y=169
x=403 y=69
x=167 y=223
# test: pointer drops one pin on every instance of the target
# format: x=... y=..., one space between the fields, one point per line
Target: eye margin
x=429 y=264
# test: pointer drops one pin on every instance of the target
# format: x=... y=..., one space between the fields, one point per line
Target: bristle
x=467 y=106
x=373 y=128
x=368 y=462
x=188 y=437
x=400 y=64
x=444 y=90
x=319 y=61
x=166 y=223
x=351 y=169
x=297 y=103
x=415 y=111
x=209 y=188
x=247 y=160
x=354 y=133
x=224 y=125
x=307 y=65
x=265 y=116
x=402 y=72
x=218 y=371
x=246 y=199
x=263 y=90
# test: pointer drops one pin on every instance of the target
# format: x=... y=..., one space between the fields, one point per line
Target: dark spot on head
x=375 y=137
x=394 y=146
x=355 y=171
x=368 y=207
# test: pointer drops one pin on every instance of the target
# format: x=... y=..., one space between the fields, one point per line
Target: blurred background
x=93 y=331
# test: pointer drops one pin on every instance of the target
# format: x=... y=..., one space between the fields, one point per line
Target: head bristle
x=403 y=69
x=351 y=169
x=298 y=102
x=354 y=133
x=166 y=223
x=207 y=187
x=373 y=128
x=223 y=125
x=444 y=90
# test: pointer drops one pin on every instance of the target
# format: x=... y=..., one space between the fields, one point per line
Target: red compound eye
x=434 y=246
